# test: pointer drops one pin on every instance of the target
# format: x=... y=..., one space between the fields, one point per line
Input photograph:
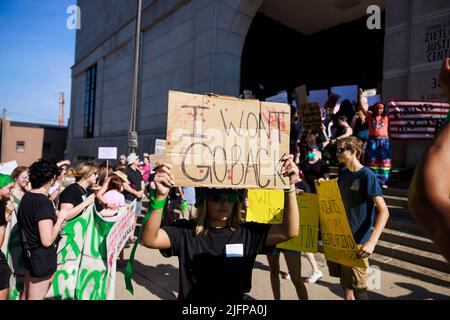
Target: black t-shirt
x=206 y=272
x=2 y=213
x=33 y=208
x=313 y=172
x=135 y=178
x=73 y=194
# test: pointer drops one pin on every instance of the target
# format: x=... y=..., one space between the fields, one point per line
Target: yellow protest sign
x=308 y=236
x=265 y=206
x=338 y=242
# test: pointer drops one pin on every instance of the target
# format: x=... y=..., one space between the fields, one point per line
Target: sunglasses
x=230 y=198
x=341 y=150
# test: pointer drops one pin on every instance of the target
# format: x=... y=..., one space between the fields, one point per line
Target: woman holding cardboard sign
x=216 y=251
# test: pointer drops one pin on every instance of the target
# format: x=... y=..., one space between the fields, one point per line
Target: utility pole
x=3 y=134
x=132 y=134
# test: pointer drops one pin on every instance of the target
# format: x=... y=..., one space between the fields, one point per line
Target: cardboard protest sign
x=156 y=159
x=300 y=95
x=222 y=142
x=308 y=236
x=331 y=103
x=338 y=242
x=265 y=206
x=311 y=115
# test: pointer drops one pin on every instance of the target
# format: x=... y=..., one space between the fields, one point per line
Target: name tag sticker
x=235 y=250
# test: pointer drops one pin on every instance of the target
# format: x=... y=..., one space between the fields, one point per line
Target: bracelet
x=156 y=204
x=289 y=190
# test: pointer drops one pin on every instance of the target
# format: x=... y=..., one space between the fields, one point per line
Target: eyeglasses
x=230 y=198
x=341 y=150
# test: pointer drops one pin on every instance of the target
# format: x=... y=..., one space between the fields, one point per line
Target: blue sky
x=37 y=51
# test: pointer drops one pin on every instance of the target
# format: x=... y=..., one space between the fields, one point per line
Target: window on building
x=47 y=148
x=20 y=146
x=89 y=104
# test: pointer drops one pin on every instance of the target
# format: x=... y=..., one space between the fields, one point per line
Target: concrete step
x=409 y=240
x=401 y=202
x=393 y=265
x=406 y=225
x=412 y=255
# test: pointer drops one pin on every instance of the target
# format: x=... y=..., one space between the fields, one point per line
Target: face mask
x=311 y=156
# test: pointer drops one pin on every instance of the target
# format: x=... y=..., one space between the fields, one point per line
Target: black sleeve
x=2 y=213
x=176 y=231
x=44 y=210
x=257 y=237
x=70 y=196
x=325 y=169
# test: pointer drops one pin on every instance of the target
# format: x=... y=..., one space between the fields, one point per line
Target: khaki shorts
x=352 y=278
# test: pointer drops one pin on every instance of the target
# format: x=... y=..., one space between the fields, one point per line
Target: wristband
x=289 y=190
x=156 y=204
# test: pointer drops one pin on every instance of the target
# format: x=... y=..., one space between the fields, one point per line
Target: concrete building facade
x=196 y=46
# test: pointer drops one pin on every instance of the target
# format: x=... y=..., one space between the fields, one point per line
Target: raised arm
x=152 y=234
x=290 y=226
x=429 y=194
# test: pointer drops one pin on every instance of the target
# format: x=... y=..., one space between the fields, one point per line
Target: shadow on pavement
x=416 y=292
x=162 y=280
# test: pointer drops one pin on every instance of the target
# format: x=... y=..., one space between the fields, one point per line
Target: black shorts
x=5 y=272
x=40 y=262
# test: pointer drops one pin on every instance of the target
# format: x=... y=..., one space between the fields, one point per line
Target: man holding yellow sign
x=360 y=194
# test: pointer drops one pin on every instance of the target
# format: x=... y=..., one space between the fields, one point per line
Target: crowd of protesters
x=205 y=227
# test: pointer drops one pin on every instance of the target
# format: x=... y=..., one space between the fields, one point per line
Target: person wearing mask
x=314 y=168
x=135 y=188
x=6 y=208
x=39 y=226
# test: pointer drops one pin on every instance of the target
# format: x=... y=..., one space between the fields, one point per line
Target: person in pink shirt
x=146 y=168
x=378 y=153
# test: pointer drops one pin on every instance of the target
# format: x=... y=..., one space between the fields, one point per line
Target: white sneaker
x=314 y=277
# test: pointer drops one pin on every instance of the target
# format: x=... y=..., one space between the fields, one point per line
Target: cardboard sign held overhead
x=300 y=95
x=224 y=142
x=156 y=159
x=311 y=115
x=8 y=167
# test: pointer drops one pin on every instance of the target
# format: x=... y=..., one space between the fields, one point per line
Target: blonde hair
x=202 y=226
x=84 y=170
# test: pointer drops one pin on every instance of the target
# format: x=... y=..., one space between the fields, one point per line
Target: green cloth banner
x=82 y=272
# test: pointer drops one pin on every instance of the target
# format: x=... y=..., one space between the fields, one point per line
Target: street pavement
x=156 y=278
